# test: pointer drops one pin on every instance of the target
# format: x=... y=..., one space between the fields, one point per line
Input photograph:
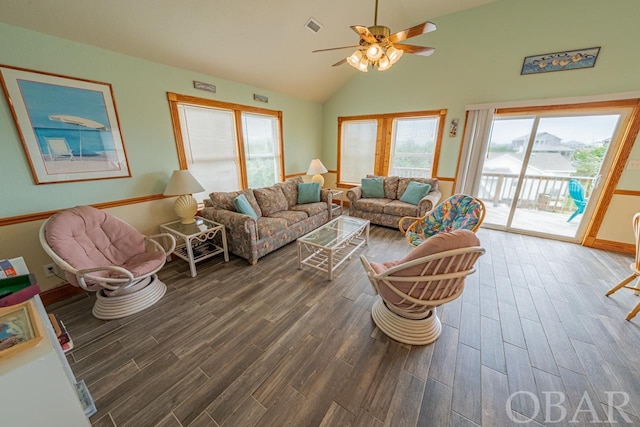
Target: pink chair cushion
x=441 y=242
x=86 y=237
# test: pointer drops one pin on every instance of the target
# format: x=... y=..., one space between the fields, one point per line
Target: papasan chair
x=101 y=253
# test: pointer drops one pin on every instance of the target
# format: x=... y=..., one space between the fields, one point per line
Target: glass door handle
x=596 y=181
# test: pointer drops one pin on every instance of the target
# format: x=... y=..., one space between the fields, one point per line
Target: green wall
x=478 y=59
x=139 y=88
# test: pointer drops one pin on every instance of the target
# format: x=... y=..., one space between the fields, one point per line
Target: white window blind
x=358 y=150
x=413 y=146
x=210 y=145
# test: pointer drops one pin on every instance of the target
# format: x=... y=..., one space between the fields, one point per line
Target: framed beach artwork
x=68 y=126
x=19 y=328
x=560 y=61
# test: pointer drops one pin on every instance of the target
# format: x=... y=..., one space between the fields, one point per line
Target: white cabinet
x=37 y=385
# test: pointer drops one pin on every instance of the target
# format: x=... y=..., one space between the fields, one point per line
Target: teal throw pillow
x=372 y=188
x=414 y=192
x=243 y=206
x=308 y=192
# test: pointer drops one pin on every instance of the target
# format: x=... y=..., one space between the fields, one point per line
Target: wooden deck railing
x=411 y=172
x=542 y=192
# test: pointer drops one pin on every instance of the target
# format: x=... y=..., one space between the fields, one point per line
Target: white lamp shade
x=182 y=182
x=316 y=167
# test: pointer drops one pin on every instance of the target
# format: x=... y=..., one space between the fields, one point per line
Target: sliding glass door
x=541 y=172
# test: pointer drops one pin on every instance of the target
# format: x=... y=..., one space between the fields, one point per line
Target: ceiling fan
x=379 y=48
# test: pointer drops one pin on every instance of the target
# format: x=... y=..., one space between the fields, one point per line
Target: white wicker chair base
x=116 y=307
x=408 y=331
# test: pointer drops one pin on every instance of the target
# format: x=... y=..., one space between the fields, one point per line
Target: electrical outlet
x=634 y=165
x=50 y=270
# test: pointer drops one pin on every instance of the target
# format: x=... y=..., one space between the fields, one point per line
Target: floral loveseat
x=389 y=210
x=280 y=218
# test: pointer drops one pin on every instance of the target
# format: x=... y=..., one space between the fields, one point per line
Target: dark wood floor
x=270 y=345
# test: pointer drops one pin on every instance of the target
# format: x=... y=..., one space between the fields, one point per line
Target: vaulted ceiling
x=259 y=43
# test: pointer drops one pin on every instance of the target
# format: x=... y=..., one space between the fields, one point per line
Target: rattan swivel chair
x=101 y=253
x=410 y=289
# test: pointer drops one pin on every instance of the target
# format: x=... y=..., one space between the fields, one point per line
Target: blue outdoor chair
x=577 y=194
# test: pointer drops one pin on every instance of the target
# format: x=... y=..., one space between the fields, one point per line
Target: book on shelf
x=61 y=333
x=10 y=267
x=17 y=289
x=7 y=269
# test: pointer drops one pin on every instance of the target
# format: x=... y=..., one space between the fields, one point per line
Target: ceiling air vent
x=313 y=25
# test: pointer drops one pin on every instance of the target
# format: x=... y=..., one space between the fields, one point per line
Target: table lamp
x=316 y=168
x=182 y=184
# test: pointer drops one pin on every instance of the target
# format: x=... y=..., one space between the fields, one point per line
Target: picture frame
x=68 y=126
x=20 y=328
x=560 y=61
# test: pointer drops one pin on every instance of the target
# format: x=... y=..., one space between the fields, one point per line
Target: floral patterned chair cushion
x=457 y=212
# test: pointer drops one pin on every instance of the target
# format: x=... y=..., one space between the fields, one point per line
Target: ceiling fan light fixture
x=354 y=58
x=374 y=51
x=376 y=46
x=363 y=65
x=394 y=54
x=384 y=63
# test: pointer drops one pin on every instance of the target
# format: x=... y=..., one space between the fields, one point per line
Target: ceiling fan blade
x=364 y=33
x=417 y=50
x=342 y=61
x=425 y=27
x=336 y=48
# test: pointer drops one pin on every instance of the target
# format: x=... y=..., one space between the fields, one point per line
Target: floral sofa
x=389 y=210
x=281 y=219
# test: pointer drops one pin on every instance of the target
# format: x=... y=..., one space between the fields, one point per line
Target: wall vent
x=313 y=25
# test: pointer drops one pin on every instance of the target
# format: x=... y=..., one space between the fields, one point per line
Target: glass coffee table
x=327 y=247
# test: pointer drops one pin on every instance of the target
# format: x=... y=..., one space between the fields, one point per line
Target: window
x=413 y=146
x=260 y=151
x=227 y=146
x=359 y=149
x=404 y=144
